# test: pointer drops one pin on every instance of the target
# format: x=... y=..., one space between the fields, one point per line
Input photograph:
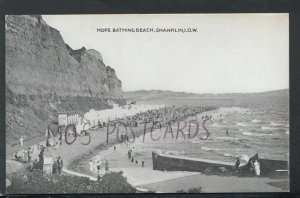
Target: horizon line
x=205 y=92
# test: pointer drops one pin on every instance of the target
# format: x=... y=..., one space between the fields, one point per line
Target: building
x=66 y=118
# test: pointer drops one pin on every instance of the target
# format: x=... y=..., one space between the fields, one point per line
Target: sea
x=250 y=131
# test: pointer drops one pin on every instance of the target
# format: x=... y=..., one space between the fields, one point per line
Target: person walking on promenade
x=106 y=166
x=55 y=167
x=29 y=155
x=98 y=166
x=91 y=163
x=21 y=141
x=60 y=164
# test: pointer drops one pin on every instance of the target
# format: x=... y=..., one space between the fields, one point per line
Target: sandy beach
x=76 y=158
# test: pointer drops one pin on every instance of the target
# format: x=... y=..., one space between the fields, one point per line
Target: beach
x=77 y=156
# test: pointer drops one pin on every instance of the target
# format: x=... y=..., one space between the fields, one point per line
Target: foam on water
x=227 y=138
x=241 y=124
x=267 y=128
x=227 y=154
x=246 y=137
x=255 y=134
x=276 y=124
x=209 y=149
x=244 y=158
x=287 y=132
x=255 y=120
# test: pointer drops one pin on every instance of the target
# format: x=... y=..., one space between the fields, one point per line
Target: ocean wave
x=241 y=124
x=276 y=124
x=267 y=128
x=227 y=138
x=227 y=154
x=244 y=158
x=255 y=120
x=287 y=132
x=255 y=134
x=209 y=149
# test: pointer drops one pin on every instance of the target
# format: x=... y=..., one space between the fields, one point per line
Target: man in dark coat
x=55 y=167
x=60 y=164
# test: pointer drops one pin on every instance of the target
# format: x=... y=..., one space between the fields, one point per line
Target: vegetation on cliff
x=38 y=183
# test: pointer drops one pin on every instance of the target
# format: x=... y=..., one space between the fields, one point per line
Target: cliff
x=45 y=76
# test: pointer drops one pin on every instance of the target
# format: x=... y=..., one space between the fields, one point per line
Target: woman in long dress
x=91 y=163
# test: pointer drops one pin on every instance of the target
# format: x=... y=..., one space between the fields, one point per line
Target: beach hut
x=66 y=118
x=47 y=166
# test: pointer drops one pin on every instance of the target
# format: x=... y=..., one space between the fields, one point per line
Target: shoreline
x=170 y=180
x=77 y=157
x=103 y=146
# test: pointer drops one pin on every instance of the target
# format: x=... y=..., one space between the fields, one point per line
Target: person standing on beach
x=60 y=164
x=106 y=166
x=237 y=165
x=91 y=163
x=98 y=166
x=55 y=167
x=21 y=141
x=47 y=138
x=29 y=155
x=256 y=166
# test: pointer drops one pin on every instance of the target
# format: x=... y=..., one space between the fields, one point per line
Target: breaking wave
x=227 y=138
x=255 y=120
x=209 y=149
x=267 y=128
x=276 y=124
x=287 y=132
x=255 y=134
x=227 y=155
x=241 y=124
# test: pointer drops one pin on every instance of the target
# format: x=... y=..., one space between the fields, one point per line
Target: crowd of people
x=159 y=117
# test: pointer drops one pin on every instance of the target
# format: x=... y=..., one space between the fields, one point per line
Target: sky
x=229 y=53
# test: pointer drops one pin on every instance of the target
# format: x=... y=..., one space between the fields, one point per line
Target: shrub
x=38 y=183
x=191 y=190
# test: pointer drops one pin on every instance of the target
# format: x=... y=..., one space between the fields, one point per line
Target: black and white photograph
x=147 y=103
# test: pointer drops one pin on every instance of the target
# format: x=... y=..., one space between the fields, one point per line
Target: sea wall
x=176 y=163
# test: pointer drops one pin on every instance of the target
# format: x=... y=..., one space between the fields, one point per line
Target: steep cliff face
x=38 y=61
x=45 y=76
